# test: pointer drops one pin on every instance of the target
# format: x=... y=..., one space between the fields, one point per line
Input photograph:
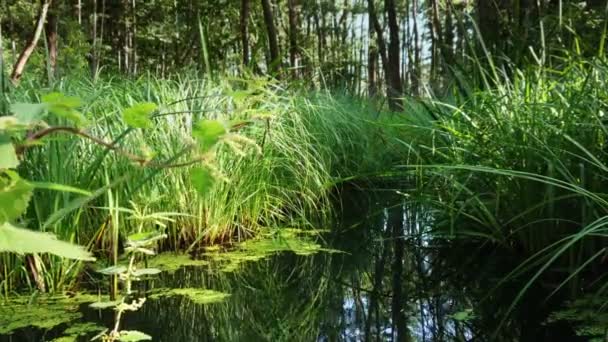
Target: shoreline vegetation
x=496 y=127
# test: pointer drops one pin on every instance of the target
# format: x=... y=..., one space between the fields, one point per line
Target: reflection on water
x=392 y=282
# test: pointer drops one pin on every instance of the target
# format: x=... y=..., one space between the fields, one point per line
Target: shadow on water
x=390 y=282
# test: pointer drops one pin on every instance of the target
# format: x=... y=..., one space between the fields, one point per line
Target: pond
x=378 y=275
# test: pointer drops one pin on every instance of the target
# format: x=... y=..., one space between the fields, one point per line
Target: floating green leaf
x=208 y=133
x=64 y=107
x=201 y=179
x=138 y=116
x=113 y=270
x=133 y=336
x=15 y=194
x=24 y=241
x=8 y=157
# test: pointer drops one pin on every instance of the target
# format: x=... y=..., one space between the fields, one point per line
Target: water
x=391 y=282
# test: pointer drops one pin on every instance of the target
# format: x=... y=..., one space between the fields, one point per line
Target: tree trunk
x=31 y=44
x=373 y=18
x=272 y=36
x=51 y=39
x=394 y=88
x=293 y=37
x=245 y=9
x=415 y=67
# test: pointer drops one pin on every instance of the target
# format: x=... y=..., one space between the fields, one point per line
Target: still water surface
x=390 y=282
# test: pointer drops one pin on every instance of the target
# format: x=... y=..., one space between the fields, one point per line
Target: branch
x=142 y=161
x=31 y=139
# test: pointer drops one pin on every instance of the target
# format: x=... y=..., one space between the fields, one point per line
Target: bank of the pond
x=278 y=166
x=517 y=168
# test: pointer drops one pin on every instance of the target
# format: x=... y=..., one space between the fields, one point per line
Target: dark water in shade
x=391 y=283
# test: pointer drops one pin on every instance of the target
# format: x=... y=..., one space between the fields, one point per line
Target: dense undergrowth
x=518 y=166
x=279 y=171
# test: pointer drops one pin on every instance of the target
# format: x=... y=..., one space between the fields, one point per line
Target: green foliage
x=208 y=133
x=28 y=114
x=23 y=241
x=8 y=157
x=65 y=107
x=201 y=179
x=15 y=195
x=129 y=274
x=138 y=116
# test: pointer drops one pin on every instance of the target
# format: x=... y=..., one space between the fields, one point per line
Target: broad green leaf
x=133 y=336
x=28 y=113
x=112 y=270
x=57 y=98
x=104 y=305
x=15 y=194
x=64 y=107
x=138 y=116
x=8 y=157
x=25 y=241
x=146 y=271
x=208 y=133
x=201 y=179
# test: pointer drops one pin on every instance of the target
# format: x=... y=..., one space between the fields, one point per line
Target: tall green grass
x=522 y=168
x=277 y=168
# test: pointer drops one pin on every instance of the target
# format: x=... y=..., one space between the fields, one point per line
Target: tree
x=271 y=31
x=244 y=26
x=393 y=82
x=293 y=36
x=51 y=38
x=390 y=58
x=31 y=44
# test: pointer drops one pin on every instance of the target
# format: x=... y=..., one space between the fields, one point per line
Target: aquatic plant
x=138 y=244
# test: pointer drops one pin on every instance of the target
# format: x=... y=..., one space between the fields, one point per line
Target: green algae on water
x=197 y=296
x=44 y=312
x=78 y=330
x=268 y=243
x=171 y=262
x=588 y=315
